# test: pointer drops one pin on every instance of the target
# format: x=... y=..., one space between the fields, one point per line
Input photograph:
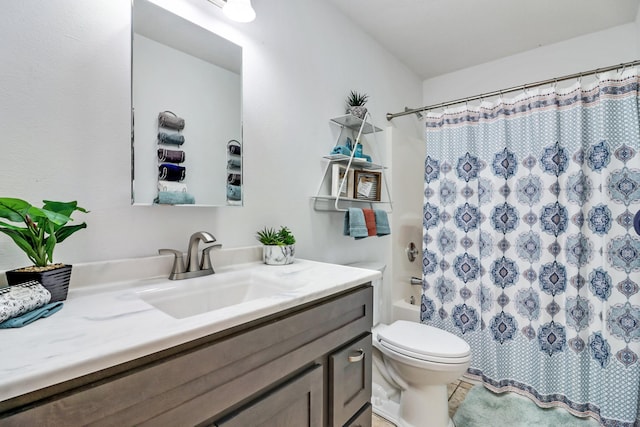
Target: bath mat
x=482 y=408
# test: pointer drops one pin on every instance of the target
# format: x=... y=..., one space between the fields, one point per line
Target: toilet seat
x=423 y=342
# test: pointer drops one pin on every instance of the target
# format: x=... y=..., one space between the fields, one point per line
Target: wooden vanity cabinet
x=307 y=366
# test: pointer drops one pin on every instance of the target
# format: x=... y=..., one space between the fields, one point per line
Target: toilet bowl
x=413 y=363
x=420 y=361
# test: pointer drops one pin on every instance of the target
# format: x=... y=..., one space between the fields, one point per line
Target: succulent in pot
x=279 y=246
x=40 y=230
x=355 y=104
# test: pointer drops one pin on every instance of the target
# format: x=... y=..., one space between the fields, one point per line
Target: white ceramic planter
x=278 y=255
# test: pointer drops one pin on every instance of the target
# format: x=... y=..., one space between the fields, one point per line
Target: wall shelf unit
x=338 y=190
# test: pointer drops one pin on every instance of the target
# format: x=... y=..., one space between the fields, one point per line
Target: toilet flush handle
x=357 y=356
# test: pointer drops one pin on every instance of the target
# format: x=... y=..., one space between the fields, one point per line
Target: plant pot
x=55 y=280
x=278 y=255
x=359 y=111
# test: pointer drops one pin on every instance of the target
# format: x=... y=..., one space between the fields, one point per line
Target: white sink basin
x=189 y=297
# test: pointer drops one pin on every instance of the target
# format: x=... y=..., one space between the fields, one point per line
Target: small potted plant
x=42 y=229
x=355 y=104
x=279 y=246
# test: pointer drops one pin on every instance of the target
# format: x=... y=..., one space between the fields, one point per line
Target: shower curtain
x=529 y=250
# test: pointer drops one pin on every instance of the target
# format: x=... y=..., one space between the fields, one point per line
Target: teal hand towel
x=32 y=316
x=175 y=198
x=382 y=222
x=354 y=224
x=234 y=192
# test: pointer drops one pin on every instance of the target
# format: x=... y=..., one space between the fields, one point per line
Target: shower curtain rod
x=408 y=111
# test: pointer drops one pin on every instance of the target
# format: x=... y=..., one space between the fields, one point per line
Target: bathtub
x=403 y=310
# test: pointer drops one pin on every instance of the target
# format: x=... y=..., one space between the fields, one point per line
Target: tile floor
x=457 y=392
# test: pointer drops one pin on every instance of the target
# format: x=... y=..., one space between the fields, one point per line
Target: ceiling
x=434 y=37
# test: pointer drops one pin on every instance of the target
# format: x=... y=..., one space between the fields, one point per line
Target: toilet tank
x=377 y=286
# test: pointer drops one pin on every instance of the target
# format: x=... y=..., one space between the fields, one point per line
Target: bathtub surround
x=553 y=173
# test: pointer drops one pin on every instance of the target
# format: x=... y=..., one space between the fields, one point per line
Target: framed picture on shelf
x=337 y=175
x=367 y=185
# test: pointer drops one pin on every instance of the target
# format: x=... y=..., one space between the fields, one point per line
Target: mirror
x=186 y=96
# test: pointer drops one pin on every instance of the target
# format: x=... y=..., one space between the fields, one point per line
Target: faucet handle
x=178 y=262
x=205 y=260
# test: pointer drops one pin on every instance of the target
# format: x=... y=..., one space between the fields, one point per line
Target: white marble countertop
x=105 y=324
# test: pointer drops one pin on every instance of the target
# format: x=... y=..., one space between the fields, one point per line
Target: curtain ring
x=555 y=84
x=580 y=78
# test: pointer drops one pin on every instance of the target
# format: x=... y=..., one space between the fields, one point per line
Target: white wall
x=591 y=51
x=65 y=114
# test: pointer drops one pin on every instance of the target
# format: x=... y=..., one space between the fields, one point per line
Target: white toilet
x=414 y=363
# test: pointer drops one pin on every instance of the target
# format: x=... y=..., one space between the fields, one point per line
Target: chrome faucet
x=195 y=267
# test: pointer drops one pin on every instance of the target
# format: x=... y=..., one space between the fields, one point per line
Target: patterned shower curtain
x=529 y=251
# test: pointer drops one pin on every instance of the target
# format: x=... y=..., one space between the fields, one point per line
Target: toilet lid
x=416 y=339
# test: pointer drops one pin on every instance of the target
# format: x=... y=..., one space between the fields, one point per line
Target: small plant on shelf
x=355 y=104
x=279 y=246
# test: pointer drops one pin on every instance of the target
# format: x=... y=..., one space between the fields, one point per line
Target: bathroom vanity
x=305 y=363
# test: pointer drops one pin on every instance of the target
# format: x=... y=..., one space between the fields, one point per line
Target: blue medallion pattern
x=529 y=248
x=598 y=156
x=505 y=164
x=553 y=278
x=554 y=219
x=504 y=272
x=504 y=218
x=503 y=327
x=554 y=160
x=467 y=217
x=468 y=167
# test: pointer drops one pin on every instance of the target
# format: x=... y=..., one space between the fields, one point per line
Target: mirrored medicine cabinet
x=193 y=78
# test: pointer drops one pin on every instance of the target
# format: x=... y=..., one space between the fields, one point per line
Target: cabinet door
x=350 y=380
x=297 y=403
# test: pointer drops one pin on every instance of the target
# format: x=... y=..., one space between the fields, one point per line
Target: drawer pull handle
x=358 y=357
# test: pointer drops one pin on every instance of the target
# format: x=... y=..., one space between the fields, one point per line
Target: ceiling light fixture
x=237 y=10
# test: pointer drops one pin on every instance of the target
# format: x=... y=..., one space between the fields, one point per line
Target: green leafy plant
x=271 y=237
x=43 y=227
x=356 y=99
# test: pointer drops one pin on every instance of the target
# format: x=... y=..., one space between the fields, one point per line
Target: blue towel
x=234 y=163
x=341 y=149
x=234 y=192
x=32 y=316
x=174 y=198
x=382 y=222
x=354 y=224
x=171 y=172
x=170 y=138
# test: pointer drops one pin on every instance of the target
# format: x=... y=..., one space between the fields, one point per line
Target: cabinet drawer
x=363 y=419
x=350 y=380
x=296 y=403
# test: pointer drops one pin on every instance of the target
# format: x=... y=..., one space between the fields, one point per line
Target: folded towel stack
x=170 y=138
x=30 y=317
x=174 y=198
x=361 y=223
x=25 y=303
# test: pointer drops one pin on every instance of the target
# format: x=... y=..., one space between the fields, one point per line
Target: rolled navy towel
x=234 y=179
x=171 y=172
x=170 y=138
x=234 y=147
